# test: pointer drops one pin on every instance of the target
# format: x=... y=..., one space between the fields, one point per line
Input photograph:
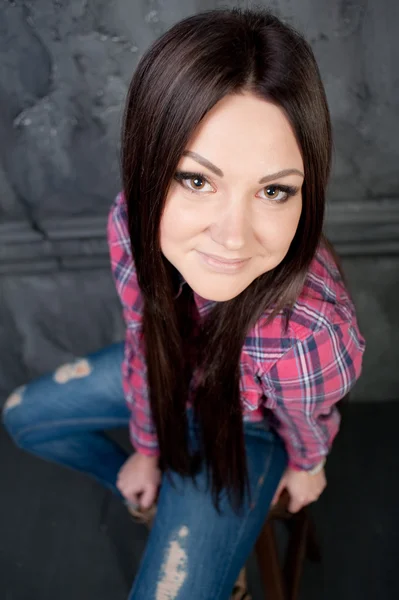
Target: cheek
x=181 y=221
x=279 y=229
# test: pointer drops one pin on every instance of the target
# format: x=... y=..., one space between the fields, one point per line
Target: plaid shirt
x=295 y=377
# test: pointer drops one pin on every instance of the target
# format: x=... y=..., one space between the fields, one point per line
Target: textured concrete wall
x=64 y=72
x=65 y=67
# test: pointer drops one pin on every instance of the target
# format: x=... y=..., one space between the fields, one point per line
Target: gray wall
x=64 y=72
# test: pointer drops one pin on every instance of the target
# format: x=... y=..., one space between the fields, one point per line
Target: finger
x=134 y=498
x=275 y=498
x=121 y=480
x=277 y=493
x=120 y=486
x=123 y=485
x=148 y=497
x=122 y=471
x=295 y=505
x=129 y=492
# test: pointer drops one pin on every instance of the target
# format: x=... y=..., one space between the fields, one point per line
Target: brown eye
x=193 y=182
x=278 y=194
x=274 y=191
x=198 y=182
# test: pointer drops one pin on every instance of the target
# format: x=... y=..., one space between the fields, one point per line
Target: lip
x=223 y=265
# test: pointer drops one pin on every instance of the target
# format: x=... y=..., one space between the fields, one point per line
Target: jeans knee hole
x=75 y=370
x=174 y=569
x=15 y=399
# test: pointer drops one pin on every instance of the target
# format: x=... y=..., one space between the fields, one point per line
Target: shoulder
x=323 y=311
x=324 y=299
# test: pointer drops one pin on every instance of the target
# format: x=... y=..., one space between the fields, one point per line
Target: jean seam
x=110 y=421
x=244 y=522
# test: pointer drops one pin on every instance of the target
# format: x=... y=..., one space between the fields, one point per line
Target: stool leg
x=268 y=562
x=298 y=526
x=313 y=550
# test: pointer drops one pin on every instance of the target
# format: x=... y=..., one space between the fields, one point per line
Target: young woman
x=240 y=334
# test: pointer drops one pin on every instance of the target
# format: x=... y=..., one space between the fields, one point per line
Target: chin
x=219 y=295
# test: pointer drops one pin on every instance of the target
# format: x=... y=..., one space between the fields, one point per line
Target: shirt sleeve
x=134 y=373
x=304 y=385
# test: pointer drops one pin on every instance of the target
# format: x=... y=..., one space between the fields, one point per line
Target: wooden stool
x=281 y=582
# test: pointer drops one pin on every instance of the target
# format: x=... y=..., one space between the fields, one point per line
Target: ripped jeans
x=192 y=553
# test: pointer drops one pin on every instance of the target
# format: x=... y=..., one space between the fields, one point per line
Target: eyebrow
x=206 y=163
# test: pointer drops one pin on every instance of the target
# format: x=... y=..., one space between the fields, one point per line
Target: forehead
x=244 y=130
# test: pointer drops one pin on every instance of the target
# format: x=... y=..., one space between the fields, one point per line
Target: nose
x=230 y=227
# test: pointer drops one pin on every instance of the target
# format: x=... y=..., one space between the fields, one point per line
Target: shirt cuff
x=146 y=451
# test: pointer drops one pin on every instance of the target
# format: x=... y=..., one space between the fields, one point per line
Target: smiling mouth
x=226 y=261
x=223 y=265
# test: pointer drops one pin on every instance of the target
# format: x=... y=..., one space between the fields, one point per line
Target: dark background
x=64 y=71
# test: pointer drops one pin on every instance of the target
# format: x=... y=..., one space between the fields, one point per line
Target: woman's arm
x=304 y=385
x=302 y=389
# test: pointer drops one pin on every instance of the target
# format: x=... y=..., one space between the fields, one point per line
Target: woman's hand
x=302 y=488
x=139 y=479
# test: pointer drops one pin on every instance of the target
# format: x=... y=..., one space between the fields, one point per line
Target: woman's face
x=226 y=221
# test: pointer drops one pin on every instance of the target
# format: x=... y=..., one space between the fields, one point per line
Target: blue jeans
x=192 y=553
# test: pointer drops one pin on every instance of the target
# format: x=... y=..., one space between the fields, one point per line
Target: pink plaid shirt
x=297 y=376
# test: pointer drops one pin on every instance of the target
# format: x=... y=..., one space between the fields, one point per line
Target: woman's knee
x=44 y=398
x=84 y=388
x=41 y=403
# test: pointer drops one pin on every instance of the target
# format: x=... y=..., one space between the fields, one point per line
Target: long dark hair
x=178 y=80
